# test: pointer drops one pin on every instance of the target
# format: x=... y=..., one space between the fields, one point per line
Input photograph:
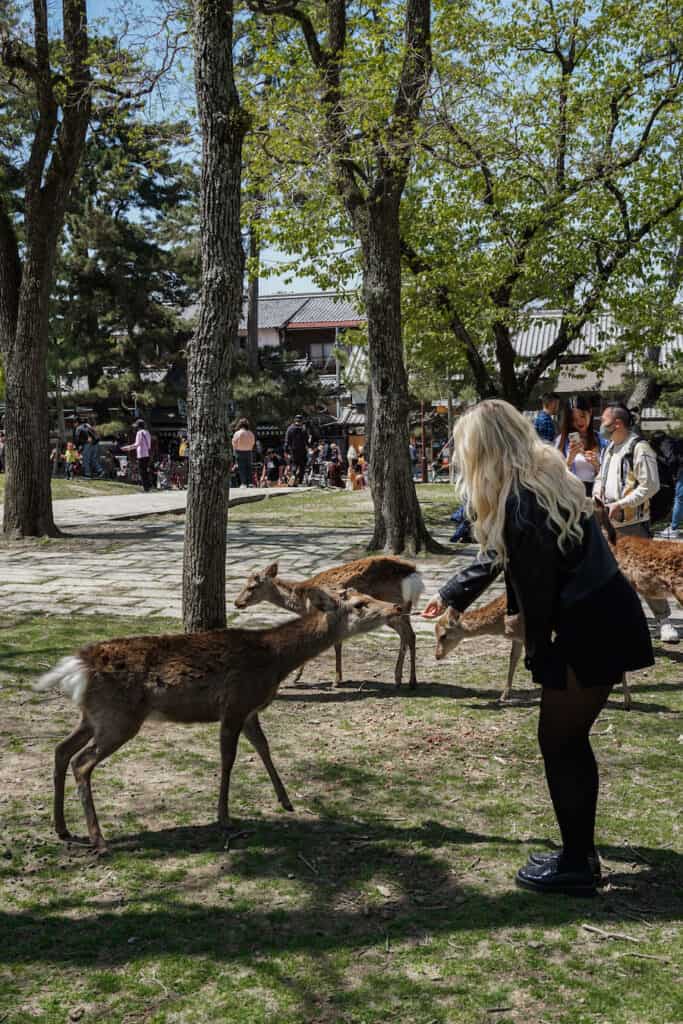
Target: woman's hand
x=434 y=607
x=574 y=450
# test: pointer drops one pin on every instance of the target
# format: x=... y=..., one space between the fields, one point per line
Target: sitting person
x=270 y=475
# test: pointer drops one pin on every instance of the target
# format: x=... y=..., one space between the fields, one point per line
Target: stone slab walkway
x=70 y=513
x=137 y=566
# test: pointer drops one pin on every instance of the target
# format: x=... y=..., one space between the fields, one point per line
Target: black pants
x=244 y=468
x=143 y=468
x=299 y=468
x=571 y=770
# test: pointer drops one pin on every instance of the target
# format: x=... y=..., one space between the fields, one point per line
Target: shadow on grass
x=340 y=858
x=482 y=697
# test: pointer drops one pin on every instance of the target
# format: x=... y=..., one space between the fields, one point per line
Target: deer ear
x=270 y=570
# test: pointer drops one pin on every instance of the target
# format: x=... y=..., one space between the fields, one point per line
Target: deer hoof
x=287 y=805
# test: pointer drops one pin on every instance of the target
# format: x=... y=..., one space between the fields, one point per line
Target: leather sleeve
x=535 y=571
x=466 y=586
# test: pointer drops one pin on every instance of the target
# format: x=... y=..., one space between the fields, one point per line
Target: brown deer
x=225 y=675
x=653 y=567
x=383 y=577
x=490 y=620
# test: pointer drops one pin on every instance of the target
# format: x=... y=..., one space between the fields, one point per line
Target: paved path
x=135 y=567
x=77 y=512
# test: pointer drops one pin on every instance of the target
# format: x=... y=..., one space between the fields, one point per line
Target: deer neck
x=305 y=638
x=287 y=595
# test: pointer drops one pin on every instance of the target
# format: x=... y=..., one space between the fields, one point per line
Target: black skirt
x=604 y=635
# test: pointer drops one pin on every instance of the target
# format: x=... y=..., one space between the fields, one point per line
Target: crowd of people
x=620 y=470
x=299 y=460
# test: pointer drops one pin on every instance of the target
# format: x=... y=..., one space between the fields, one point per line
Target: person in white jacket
x=628 y=479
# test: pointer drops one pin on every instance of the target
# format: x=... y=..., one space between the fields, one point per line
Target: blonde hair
x=497 y=451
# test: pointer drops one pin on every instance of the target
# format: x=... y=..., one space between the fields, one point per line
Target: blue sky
x=114 y=13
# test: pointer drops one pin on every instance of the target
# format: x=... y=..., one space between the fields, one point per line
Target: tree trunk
x=252 y=302
x=398 y=520
x=223 y=126
x=28 y=498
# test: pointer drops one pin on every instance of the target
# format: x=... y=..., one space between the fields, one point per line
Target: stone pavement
x=135 y=567
x=70 y=513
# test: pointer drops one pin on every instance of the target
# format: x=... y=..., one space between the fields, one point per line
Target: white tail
x=225 y=675
x=70 y=675
x=384 y=577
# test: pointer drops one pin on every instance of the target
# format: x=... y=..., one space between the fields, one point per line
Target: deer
x=653 y=567
x=223 y=675
x=383 y=577
x=490 y=620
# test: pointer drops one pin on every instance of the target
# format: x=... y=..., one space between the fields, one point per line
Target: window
x=320 y=353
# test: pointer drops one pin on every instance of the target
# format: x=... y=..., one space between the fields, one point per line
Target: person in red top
x=142 y=446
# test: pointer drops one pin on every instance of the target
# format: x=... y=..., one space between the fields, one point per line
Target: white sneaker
x=668 y=534
x=668 y=634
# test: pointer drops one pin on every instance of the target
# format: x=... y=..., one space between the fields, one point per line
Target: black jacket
x=541 y=580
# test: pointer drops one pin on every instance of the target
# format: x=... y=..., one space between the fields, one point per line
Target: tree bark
x=223 y=126
x=54 y=157
x=399 y=526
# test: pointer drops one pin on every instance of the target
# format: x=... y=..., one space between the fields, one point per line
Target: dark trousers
x=143 y=467
x=299 y=465
x=244 y=468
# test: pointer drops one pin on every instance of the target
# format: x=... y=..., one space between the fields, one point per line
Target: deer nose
x=438 y=653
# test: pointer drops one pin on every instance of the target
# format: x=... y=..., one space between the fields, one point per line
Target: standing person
x=296 y=446
x=412 y=451
x=243 y=442
x=532 y=521
x=92 y=467
x=672 y=532
x=581 y=446
x=142 y=445
x=71 y=457
x=544 y=423
x=628 y=479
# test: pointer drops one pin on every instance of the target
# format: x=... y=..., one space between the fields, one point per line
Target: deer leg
x=515 y=652
x=102 y=745
x=230 y=734
x=338 y=677
x=254 y=733
x=64 y=751
x=628 y=703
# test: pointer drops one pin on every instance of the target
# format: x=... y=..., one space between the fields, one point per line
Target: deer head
x=259 y=587
x=448 y=633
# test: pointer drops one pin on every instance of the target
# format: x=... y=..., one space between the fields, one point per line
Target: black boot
x=540 y=857
x=553 y=877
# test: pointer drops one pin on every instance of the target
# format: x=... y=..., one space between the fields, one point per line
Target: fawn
x=383 y=577
x=225 y=675
x=490 y=620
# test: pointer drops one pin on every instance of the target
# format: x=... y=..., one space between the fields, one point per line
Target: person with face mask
x=628 y=479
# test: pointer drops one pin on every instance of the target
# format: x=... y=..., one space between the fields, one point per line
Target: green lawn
x=339 y=508
x=386 y=897
x=81 y=488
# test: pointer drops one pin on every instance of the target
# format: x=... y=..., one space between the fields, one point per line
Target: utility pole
x=425 y=478
x=252 y=299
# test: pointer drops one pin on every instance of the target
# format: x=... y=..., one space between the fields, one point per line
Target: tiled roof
x=544 y=325
x=327 y=309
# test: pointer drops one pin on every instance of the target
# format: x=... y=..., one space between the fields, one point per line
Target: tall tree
x=127 y=262
x=223 y=125
x=368 y=70
x=60 y=101
x=549 y=175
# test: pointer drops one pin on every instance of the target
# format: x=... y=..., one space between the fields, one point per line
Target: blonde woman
x=533 y=522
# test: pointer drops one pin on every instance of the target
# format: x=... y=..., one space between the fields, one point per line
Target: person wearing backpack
x=628 y=480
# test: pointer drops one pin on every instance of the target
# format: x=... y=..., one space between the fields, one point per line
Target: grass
x=387 y=896
x=81 y=488
x=340 y=509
